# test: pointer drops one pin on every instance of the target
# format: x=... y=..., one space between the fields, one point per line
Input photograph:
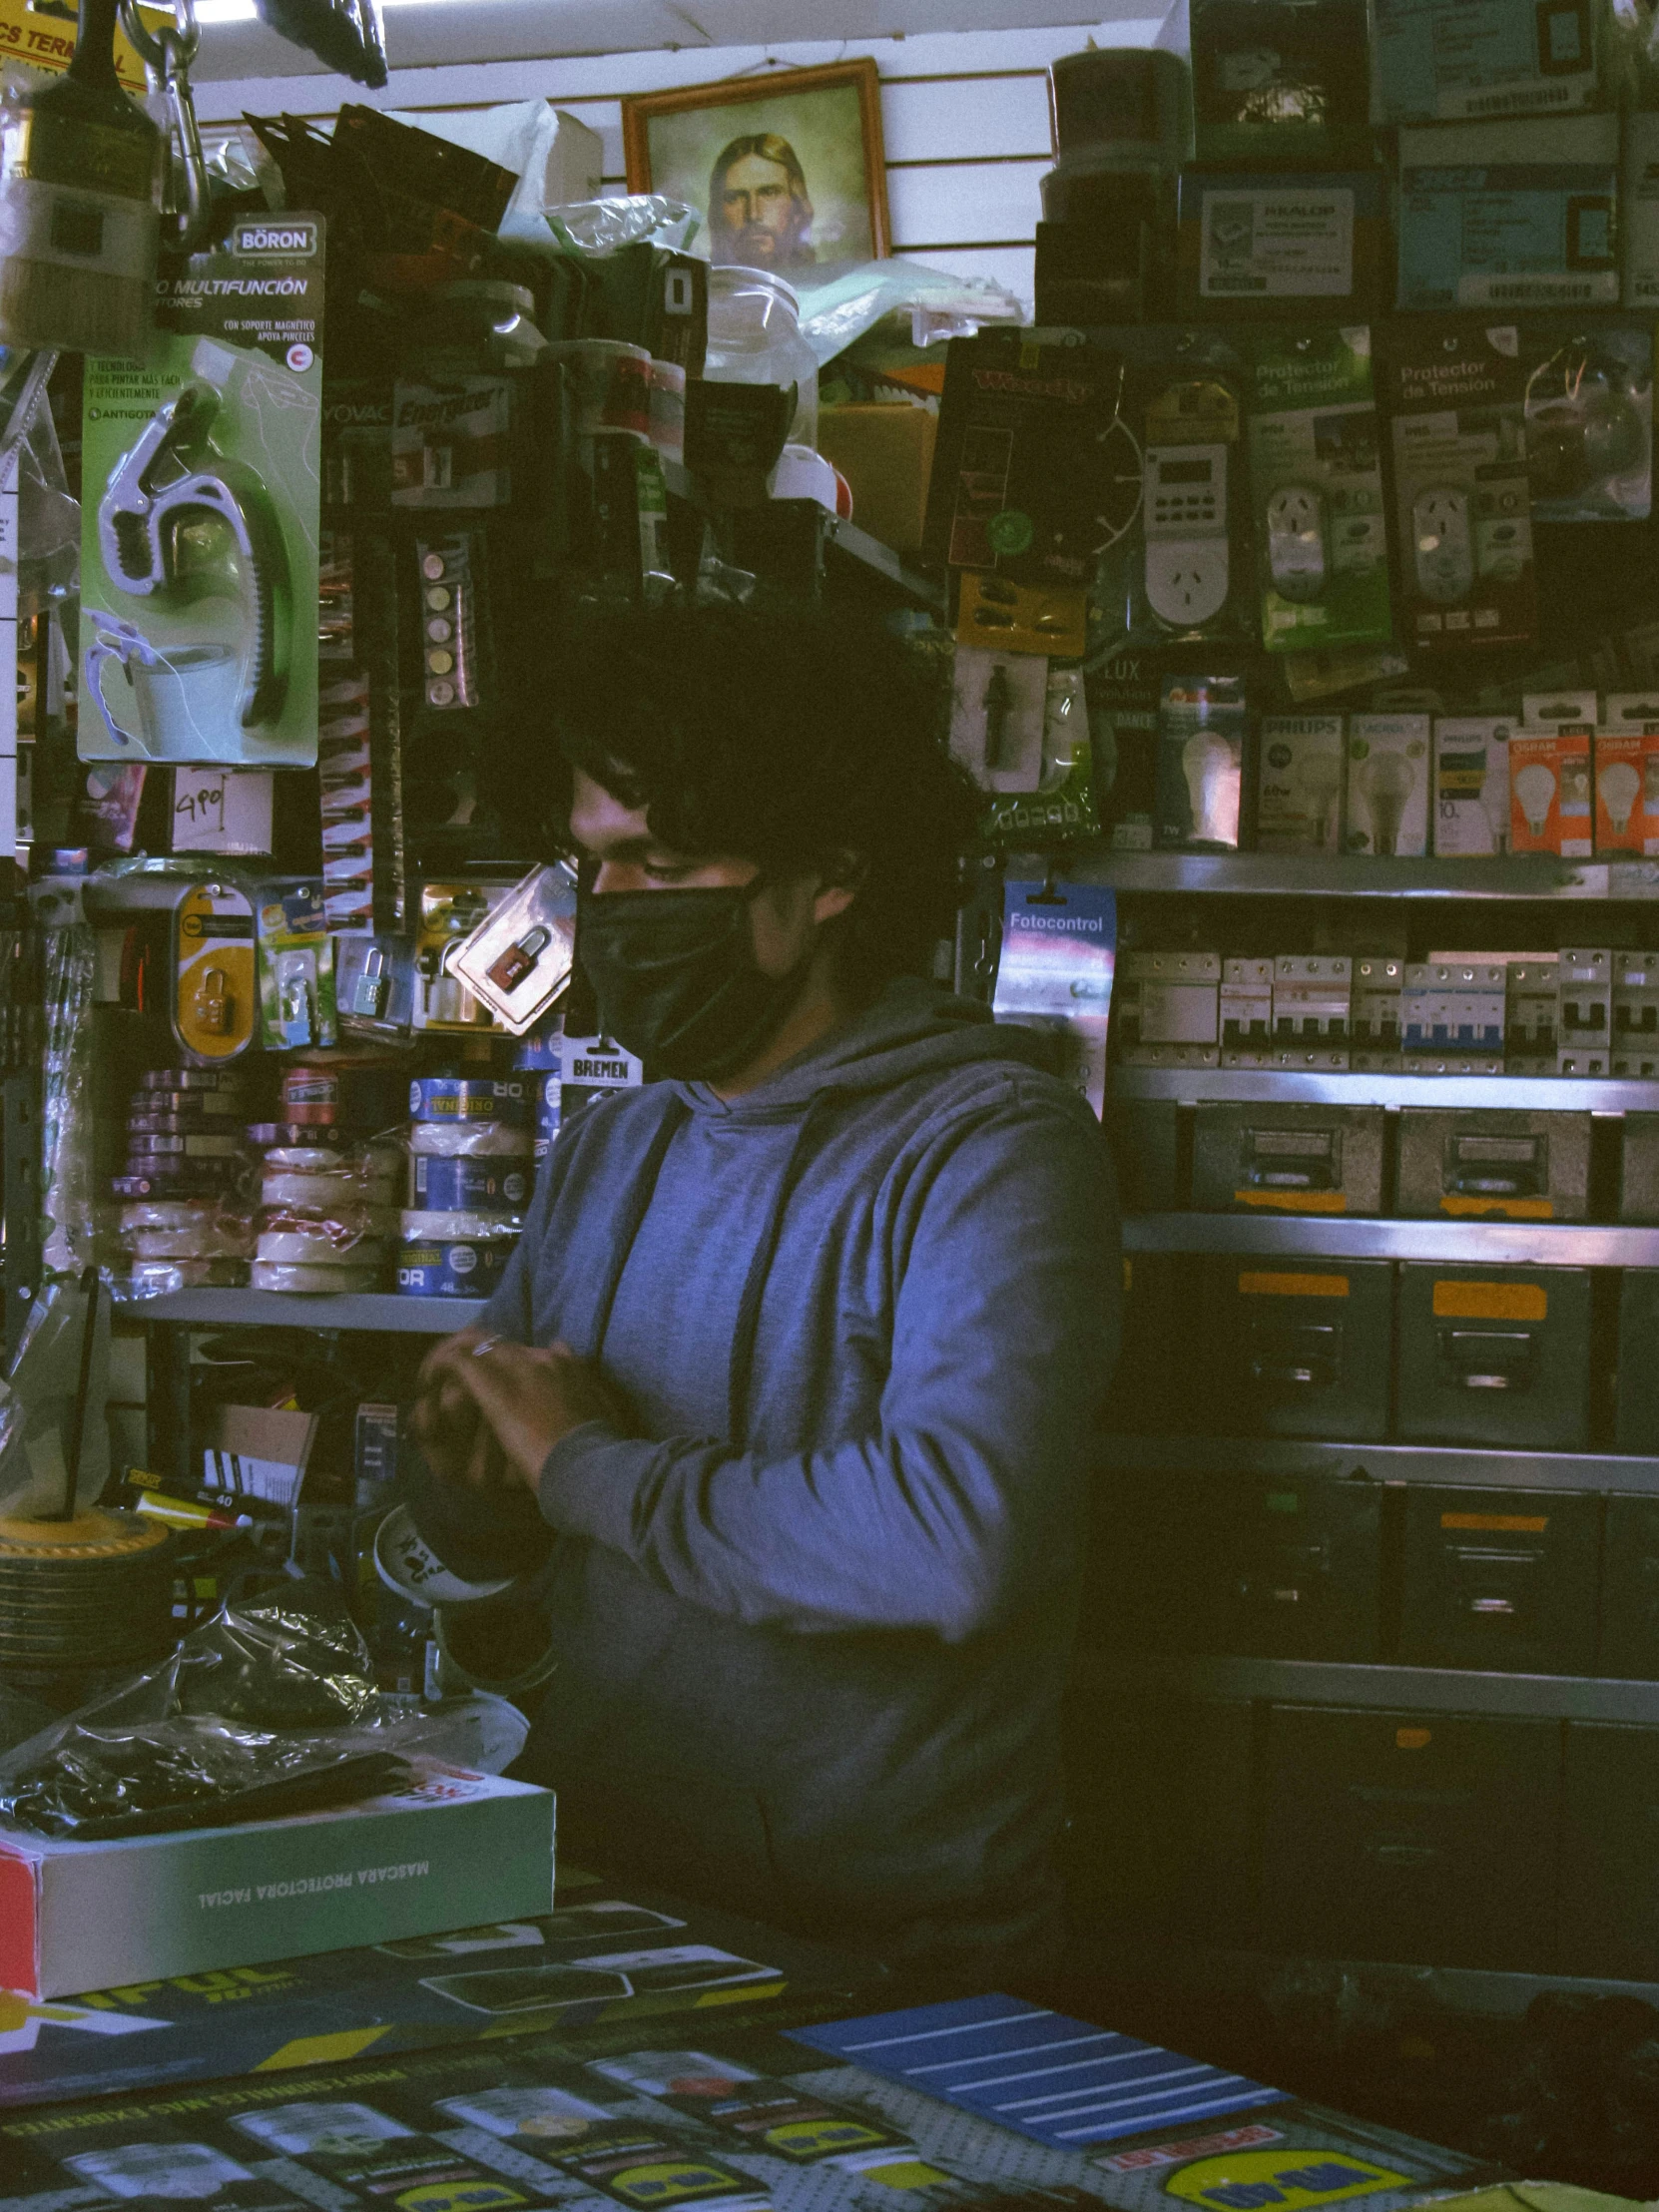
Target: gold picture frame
x=751 y=178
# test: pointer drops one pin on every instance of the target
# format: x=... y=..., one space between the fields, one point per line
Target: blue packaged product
x=469 y=1098
x=453 y=1255
x=469 y=1185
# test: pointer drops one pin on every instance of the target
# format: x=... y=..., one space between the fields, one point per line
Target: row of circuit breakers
x=1515 y=1359
x=1581 y=1012
x=1420 y=1163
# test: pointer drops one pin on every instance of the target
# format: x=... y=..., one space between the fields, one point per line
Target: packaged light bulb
x=1471 y=786
x=1300 y=785
x=1550 y=792
x=1200 y=741
x=1626 y=757
x=1388 y=785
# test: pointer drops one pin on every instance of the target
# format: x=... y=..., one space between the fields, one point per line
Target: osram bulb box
x=450 y=1849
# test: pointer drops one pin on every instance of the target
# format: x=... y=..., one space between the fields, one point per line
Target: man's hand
x=518 y=1400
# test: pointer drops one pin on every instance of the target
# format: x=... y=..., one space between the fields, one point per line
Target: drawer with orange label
x=1300 y=1347
x=1287 y=1159
x=1504 y=1580
x=1502 y=1166
x=1497 y=1357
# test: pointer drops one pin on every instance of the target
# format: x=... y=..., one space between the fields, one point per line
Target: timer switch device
x=1187 y=569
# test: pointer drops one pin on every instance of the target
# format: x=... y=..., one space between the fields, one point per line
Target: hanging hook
x=167 y=54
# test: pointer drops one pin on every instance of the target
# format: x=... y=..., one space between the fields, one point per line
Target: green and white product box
x=450 y=1849
x=1464 y=59
x=1471 y=786
x=199 y=513
x=1298 y=793
x=1389 y=775
x=1510 y=215
x=1317 y=486
x=1455 y=393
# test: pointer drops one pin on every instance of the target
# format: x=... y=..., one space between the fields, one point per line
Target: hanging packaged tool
x=213 y=1001
x=519 y=958
x=200 y=514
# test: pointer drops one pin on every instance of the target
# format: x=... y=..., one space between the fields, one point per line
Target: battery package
x=1316 y=489
x=1491 y=59
x=1470 y=1164
x=1302 y=768
x=1464 y=502
x=1286 y=1159
x=1494 y=1356
x=1280 y=81
x=1471 y=786
x=1303 y=1347
x=1202 y=726
x=1251 y=245
x=1509 y=214
x=1388 y=776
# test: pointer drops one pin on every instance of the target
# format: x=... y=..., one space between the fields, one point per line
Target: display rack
x=1559 y=1094
x=369 y=1312
x=1330 y=876
x=1281 y=1236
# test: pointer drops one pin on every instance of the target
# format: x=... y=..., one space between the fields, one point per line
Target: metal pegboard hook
x=167 y=54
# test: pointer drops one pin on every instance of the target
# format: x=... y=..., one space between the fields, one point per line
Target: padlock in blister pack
x=519 y=959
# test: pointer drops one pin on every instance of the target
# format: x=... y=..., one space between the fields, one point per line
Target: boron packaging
x=1463 y=498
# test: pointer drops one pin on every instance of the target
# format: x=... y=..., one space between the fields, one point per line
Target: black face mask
x=675 y=977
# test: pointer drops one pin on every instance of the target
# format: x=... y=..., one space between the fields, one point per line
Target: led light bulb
x=1387 y=781
x=1535 y=788
x=1618 y=784
x=1211 y=776
x=1321 y=779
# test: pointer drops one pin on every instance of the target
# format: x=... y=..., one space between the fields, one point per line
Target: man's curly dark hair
x=798 y=738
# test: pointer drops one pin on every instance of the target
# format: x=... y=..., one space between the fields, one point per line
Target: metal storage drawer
x=1287 y=1159
x=1300 y=1349
x=1636 y=1401
x=1629 y=1645
x=1610 y=1851
x=1504 y=1165
x=1501 y=1579
x=1495 y=1356
x=1417 y=1837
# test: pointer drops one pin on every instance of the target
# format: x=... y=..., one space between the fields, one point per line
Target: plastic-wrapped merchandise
x=161 y=1278
x=187 y=1229
x=456 y=1098
x=318 y=1192
x=471 y=1140
x=453 y=1255
x=358 y=1239
x=601 y=227
x=313 y=1280
x=491 y=1185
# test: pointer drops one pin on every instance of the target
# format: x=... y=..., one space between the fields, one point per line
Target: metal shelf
x=369 y=1309
x=1561 y=1094
x=1450 y=1466
x=1563 y=1697
x=1557 y=1244
x=844 y=538
x=1326 y=876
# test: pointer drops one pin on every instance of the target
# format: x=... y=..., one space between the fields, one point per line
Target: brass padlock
x=212 y=1004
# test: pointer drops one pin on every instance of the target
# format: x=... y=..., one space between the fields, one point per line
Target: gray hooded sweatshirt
x=814 y=1616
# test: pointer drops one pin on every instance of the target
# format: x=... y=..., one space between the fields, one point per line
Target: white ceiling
x=423 y=34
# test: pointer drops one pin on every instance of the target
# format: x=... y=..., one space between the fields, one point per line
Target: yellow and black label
x=1257 y=2180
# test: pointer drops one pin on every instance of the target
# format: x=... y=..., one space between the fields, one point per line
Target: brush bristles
x=79 y=310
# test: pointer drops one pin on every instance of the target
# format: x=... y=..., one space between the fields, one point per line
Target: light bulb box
x=1549 y=785
x=1299 y=801
x=1471 y=786
x=1627 y=775
x=449 y=1850
x=1388 y=785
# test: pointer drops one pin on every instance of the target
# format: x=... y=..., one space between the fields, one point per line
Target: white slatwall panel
x=964 y=118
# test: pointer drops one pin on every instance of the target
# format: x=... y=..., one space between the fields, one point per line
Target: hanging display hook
x=168 y=53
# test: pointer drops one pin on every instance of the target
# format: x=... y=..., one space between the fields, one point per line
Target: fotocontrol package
x=1589 y=418
x=1489 y=58
x=1457 y=394
x=1388 y=785
x=1316 y=479
x=1510 y=215
x=519 y=959
x=199 y=537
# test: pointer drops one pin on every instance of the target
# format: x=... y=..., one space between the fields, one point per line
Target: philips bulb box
x=1250 y=244
x=1510 y=215
x=1488 y=58
x=1303 y=1347
x=1321 y=535
x=449 y=1850
x=1466 y=1164
x=1281 y=81
x=1388 y=785
x=1464 y=502
x=1471 y=786
x=1497 y=1357
x=1301 y=765
x=1500 y=1580
x=1274 y=1159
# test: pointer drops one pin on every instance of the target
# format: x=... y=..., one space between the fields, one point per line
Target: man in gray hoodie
x=794 y=1374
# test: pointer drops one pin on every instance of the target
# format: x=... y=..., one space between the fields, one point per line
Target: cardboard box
x=1251 y=245
x=1497 y=59
x=1300 y=784
x=1549 y=784
x=1471 y=786
x=1277 y=81
x=1389 y=775
x=885 y=452
x=450 y=1848
x=1510 y=215
x=1639 y=223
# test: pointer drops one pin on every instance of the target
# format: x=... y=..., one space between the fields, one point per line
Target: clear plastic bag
x=833 y=314
x=36 y=1405
x=601 y=227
